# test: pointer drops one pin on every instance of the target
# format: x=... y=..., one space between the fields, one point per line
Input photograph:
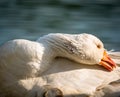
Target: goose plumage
x=62 y=61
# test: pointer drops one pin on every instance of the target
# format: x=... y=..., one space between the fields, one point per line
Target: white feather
x=56 y=60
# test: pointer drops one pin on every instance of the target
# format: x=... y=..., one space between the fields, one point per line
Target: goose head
x=90 y=50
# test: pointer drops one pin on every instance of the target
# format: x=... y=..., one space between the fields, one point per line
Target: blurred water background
x=30 y=19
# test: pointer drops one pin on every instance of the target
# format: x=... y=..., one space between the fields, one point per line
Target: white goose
x=55 y=61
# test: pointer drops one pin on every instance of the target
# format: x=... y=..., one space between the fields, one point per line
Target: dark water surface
x=30 y=19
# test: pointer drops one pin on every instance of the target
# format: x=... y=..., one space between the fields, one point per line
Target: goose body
x=58 y=60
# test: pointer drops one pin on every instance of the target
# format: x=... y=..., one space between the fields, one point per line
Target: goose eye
x=98 y=46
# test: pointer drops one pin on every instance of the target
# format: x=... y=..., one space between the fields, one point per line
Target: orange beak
x=107 y=62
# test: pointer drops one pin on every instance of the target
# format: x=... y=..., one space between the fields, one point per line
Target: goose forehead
x=88 y=38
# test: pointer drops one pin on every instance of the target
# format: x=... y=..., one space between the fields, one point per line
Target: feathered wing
x=110 y=90
x=19 y=58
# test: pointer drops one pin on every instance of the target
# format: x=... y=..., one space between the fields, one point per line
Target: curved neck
x=56 y=46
